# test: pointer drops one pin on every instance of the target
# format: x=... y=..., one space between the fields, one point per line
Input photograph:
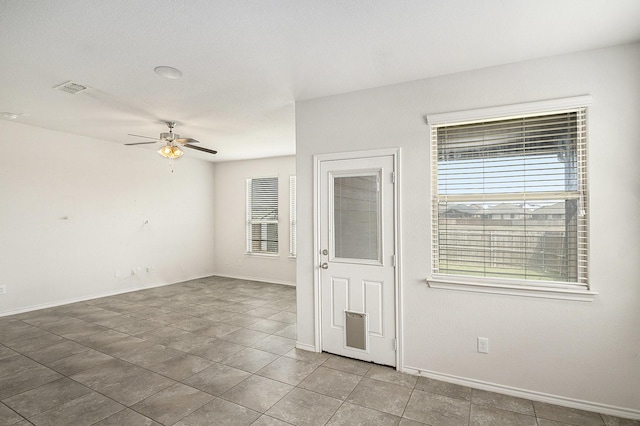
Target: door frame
x=317 y=288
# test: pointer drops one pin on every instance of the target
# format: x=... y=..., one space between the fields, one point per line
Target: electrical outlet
x=3 y=289
x=483 y=345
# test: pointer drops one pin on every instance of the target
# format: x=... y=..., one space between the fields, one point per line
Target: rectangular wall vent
x=71 y=87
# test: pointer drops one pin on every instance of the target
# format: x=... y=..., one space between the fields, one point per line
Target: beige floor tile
x=434 y=409
x=35 y=401
x=257 y=393
x=382 y=396
x=85 y=410
x=287 y=370
x=330 y=382
x=217 y=379
x=390 y=375
x=38 y=375
x=275 y=344
x=173 y=403
x=486 y=415
x=451 y=390
x=221 y=413
x=123 y=382
x=9 y=417
x=348 y=365
x=250 y=359
x=504 y=402
x=350 y=414
x=181 y=366
x=618 y=421
x=567 y=415
x=127 y=417
x=265 y=420
x=302 y=407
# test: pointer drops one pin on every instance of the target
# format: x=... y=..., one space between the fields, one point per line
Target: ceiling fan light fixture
x=169 y=151
x=165 y=151
x=168 y=72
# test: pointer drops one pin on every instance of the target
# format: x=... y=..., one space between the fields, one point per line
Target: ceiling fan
x=173 y=142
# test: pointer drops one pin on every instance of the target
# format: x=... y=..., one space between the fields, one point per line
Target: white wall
x=577 y=352
x=230 y=221
x=73 y=213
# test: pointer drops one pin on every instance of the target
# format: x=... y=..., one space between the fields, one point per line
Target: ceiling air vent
x=71 y=87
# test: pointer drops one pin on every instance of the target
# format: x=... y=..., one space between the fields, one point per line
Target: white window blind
x=292 y=216
x=262 y=215
x=510 y=199
x=357 y=216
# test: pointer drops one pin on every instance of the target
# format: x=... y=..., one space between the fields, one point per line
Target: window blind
x=262 y=215
x=292 y=216
x=510 y=198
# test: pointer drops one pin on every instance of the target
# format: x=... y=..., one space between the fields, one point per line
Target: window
x=509 y=202
x=292 y=216
x=357 y=216
x=262 y=215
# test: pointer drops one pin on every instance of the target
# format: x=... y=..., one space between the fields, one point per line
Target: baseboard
x=305 y=347
x=123 y=291
x=261 y=279
x=89 y=297
x=628 y=413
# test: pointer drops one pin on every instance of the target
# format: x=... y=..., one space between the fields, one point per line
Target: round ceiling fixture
x=168 y=72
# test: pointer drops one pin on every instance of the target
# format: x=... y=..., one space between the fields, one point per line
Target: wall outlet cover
x=483 y=345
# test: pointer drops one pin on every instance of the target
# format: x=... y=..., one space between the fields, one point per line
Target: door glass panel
x=356 y=217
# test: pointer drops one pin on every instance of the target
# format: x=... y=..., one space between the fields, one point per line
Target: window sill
x=514 y=290
x=266 y=255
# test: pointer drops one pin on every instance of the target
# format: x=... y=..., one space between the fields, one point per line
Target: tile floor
x=219 y=351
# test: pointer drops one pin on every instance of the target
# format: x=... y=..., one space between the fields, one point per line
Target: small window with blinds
x=292 y=216
x=510 y=200
x=262 y=215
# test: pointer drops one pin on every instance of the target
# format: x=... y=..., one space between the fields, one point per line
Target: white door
x=357 y=272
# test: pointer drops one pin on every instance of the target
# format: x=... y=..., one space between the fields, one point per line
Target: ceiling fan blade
x=199 y=148
x=146 y=137
x=186 y=140
x=140 y=143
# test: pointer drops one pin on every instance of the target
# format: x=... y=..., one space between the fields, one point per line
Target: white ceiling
x=246 y=62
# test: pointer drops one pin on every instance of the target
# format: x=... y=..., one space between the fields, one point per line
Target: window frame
x=250 y=221
x=521 y=287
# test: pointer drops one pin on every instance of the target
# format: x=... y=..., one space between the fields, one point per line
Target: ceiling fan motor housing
x=169 y=136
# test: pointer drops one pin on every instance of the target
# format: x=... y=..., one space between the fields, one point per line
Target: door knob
x=325 y=252
x=325 y=265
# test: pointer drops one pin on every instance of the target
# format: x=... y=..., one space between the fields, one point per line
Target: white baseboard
x=628 y=413
x=305 y=347
x=122 y=291
x=261 y=279
x=91 y=297
x=78 y=299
